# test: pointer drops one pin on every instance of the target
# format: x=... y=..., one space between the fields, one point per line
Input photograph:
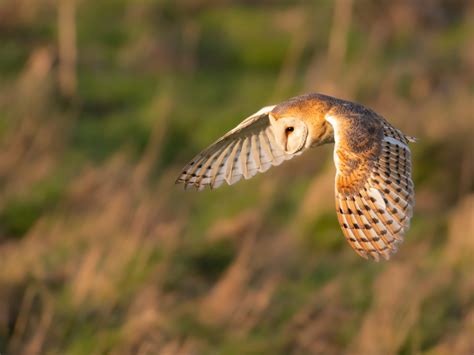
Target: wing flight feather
x=244 y=151
x=374 y=187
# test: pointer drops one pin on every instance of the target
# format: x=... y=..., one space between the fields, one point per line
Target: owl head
x=298 y=126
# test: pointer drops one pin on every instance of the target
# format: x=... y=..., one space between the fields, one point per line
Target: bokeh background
x=103 y=102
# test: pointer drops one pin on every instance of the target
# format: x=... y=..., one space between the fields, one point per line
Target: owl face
x=298 y=126
x=291 y=134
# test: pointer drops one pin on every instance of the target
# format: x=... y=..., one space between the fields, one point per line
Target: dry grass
x=113 y=258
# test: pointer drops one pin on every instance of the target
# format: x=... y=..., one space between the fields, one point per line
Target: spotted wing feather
x=244 y=151
x=374 y=187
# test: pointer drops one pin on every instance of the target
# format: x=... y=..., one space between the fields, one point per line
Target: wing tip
x=379 y=256
x=188 y=185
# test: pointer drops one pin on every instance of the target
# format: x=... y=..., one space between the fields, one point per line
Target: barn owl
x=373 y=187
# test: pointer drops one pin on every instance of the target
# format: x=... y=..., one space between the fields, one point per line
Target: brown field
x=103 y=102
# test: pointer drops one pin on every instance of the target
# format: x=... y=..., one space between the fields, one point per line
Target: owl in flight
x=373 y=186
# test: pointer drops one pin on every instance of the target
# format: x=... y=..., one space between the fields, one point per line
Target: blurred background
x=103 y=102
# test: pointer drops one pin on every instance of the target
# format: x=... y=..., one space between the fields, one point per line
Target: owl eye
x=289 y=129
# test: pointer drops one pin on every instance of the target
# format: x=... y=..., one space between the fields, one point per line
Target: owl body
x=373 y=186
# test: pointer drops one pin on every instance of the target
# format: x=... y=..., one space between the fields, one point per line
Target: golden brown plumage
x=373 y=187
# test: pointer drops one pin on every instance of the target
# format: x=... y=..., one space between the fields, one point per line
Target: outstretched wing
x=246 y=150
x=374 y=187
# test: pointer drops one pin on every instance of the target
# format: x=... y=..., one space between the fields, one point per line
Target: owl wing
x=244 y=151
x=374 y=187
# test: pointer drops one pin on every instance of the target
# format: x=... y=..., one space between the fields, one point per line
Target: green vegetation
x=101 y=253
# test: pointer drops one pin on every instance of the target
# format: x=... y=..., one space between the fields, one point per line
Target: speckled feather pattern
x=373 y=186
